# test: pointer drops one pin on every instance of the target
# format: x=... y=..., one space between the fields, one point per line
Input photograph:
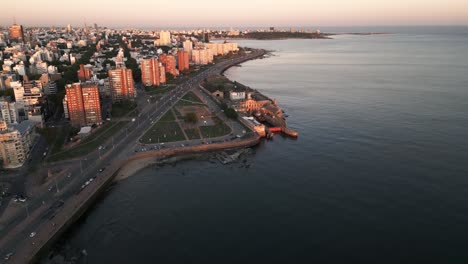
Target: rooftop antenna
x=14 y=20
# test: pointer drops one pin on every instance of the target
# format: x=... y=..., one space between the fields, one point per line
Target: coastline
x=79 y=203
x=325 y=36
x=132 y=167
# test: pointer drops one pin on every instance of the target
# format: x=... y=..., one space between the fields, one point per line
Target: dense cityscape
x=77 y=100
x=239 y=132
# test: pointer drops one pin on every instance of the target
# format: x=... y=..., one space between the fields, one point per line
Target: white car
x=8 y=256
x=33 y=234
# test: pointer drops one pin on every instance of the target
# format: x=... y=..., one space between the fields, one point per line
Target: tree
x=8 y=92
x=191 y=118
x=169 y=77
x=231 y=113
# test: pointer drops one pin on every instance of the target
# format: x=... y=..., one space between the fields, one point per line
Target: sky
x=236 y=13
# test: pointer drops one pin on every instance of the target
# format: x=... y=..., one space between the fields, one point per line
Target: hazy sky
x=235 y=13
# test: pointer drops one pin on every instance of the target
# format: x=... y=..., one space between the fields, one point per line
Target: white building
x=52 y=69
x=188 y=47
x=15 y=144
x=65 y=107
x=27 y=96
x=165 y=38
x=8 y=111
x=222 y=48
x=50 y=88
x=41 y=67
x=202 y=56
x=20 y=69
x=236 y=95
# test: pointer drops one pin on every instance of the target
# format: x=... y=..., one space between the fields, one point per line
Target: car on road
x=51 y=188
x=33 y=234
x=102 y=169
x=8 y=256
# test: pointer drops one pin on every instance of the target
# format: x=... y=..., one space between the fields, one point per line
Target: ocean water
x=379 y=173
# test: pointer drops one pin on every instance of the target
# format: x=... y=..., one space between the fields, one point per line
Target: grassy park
x=90 y=143
x=165 y=130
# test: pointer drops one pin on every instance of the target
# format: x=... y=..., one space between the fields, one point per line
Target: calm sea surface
x=379 y=173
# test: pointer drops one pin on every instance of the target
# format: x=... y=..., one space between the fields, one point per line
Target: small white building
x=15 y=144
x=236 y=95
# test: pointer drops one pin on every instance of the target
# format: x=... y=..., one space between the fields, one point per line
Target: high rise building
x=165 y=38
x=183 y=60
x=222 y=48
x=28 y=94
x=121 y=84
x=16 y=33
x=83 y=104
x=188 y=46
x=8 y=111
x=84 y=73
x=15 y=144
x=150 y=72
x=169 y=63
x=202 y=56
x=162 y=73
x=206 y=37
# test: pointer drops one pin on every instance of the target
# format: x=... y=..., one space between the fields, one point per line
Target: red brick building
x=84 y=73
x=150 y=72
x=84 y=105
x=16 y=32
x=169 y=62
x=121 y=84
x=183 y=60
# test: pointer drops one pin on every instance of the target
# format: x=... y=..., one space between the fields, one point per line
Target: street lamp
x=27 y=209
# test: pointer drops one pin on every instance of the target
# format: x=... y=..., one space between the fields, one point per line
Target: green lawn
x=90 y=143
x=122 y=109
x=192 y=133
x=190 y=96
x=55 y=137
x=163 y=132
x=159 y=90
x=167 y=117
x=218 y=130
x=189 y=99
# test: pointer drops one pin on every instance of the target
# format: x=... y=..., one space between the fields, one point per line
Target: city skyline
x=210 y=13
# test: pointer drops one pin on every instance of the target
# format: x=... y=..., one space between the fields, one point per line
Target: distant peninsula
x=275 y=35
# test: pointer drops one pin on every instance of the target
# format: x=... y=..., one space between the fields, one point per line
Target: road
x=121 y=146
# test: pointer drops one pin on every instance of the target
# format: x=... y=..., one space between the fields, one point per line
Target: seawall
x=49 y=231
x=76 y=206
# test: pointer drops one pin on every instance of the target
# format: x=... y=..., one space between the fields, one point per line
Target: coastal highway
x=15 y=236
